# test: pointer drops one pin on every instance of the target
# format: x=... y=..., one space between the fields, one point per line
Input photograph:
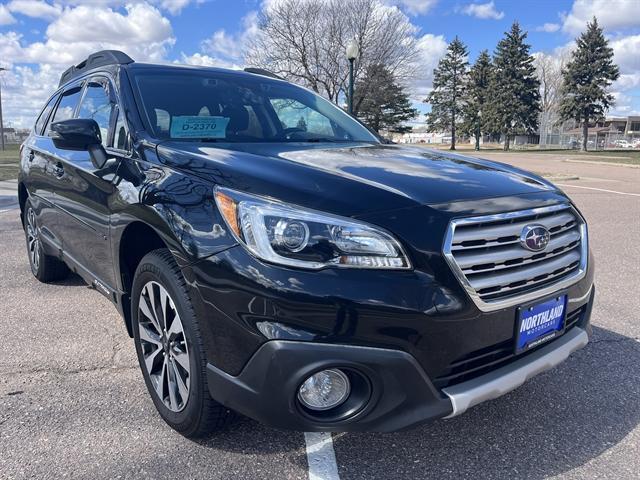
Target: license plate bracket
x=540 y=322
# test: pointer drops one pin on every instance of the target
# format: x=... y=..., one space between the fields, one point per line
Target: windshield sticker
x=188 y=126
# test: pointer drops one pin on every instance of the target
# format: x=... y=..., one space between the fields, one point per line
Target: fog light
x=324 y=390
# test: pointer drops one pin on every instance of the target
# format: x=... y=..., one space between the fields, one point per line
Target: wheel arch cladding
x=137 y=240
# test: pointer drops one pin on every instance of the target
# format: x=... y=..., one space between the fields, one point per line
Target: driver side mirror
x=80 y=134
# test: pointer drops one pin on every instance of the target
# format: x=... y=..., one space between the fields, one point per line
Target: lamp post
x=478 y=130
x=1 y=123
x=352 y=53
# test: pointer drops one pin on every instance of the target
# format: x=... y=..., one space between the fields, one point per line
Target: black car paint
x=242 y=302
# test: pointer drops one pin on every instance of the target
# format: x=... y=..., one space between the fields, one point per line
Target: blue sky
x=39 y=39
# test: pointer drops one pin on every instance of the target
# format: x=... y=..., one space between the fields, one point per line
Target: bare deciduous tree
x=549 y=72
x=304 y=41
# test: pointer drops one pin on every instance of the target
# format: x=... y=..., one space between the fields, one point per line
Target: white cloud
x=548 y=27
x=624 y=105
x=227 y=49
x=415 y=7
x=202 y=60
x=5 y=16
x=483 y=11
x=611 y=15
x=35 y=9
x=626 y=54
x=140 y=30
x=431 y=49
x=174 y=6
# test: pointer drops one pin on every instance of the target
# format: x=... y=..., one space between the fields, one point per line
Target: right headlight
x=297 y=237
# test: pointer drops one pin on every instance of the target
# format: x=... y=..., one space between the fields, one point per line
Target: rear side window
x=97 y=105
x=67 y=104
x=42 y=119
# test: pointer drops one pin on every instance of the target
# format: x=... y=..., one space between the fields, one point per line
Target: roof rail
x=263 y=72
x=98 y=59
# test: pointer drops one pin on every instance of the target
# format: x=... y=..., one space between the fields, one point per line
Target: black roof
x=98 y=59
x=116 y=57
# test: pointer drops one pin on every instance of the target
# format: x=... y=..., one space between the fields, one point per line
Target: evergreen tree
x=447 y=96
x=381 y=102
x=586 y=79
x=515 y=89
x=476 y=97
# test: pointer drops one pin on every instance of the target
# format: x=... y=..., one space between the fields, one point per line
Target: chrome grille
x=497 y=271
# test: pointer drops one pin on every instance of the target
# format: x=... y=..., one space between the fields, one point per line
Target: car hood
x=350 y=179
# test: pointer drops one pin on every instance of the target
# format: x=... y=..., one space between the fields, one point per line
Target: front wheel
x=170 y=349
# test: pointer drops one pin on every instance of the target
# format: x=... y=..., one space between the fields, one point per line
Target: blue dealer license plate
x=540 y=323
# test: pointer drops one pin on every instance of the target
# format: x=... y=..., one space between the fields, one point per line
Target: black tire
x=45 y=268
x=200 y=415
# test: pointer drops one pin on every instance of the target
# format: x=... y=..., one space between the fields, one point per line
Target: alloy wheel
x=33 y=239
x=164 y=346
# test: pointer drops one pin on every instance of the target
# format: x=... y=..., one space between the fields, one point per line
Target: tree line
x=504 y=95
x=500 y=95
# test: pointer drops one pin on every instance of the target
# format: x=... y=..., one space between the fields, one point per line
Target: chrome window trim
x=528 y=296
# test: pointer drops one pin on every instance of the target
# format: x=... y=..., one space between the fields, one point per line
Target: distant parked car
x=623 y=144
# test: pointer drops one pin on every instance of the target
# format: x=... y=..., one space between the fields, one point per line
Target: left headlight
x=298 y=237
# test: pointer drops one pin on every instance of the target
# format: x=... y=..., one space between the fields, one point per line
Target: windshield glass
x=231 y=107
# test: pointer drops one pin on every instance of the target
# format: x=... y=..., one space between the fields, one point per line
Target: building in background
x=610 y=133
x=14 y=135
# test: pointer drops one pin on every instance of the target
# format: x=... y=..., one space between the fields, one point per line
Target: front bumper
x=400 y=393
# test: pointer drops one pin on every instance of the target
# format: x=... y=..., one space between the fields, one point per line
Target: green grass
x=10 y=155
x=9 y=173
x=9 y=160
x=630 y=156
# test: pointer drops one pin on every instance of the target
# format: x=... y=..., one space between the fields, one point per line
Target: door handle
x=58 y=170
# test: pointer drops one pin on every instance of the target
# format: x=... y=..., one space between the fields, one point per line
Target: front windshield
x=233 y=107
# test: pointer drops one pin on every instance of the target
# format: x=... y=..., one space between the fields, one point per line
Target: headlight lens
x=297 y=237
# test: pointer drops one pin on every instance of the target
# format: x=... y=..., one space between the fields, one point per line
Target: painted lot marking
x=599 y=189
x=321 y=456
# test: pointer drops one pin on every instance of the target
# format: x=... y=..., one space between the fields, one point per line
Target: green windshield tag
x=188 y=126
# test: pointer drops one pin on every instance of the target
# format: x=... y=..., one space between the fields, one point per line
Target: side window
x=67 y=104
x=293 y=114
x=42 y=119
x=97 y=105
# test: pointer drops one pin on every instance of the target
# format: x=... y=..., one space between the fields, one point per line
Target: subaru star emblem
x=534 y=238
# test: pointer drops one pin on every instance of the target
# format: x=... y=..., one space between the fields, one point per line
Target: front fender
x=178 y=206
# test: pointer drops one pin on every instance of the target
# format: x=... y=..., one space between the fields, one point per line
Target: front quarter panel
x=178 y=206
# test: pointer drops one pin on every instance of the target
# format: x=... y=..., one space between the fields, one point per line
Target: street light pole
x=351 y=85
x=352 y=53
x=478 y=130
x=1 y=122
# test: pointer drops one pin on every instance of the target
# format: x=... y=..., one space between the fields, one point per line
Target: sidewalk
x=8 y=194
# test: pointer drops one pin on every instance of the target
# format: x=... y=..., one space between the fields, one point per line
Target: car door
x=42 y=163
x=83 y=192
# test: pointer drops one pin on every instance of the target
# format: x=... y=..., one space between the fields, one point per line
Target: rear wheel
x=45 y=268
x=170 y=349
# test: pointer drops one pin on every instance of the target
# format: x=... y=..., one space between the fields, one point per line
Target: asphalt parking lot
x=73 y=403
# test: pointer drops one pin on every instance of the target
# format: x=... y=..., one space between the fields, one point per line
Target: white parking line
x=320 y=456
x=598 y=189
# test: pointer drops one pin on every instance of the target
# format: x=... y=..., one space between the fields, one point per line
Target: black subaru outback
x=270 y=256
